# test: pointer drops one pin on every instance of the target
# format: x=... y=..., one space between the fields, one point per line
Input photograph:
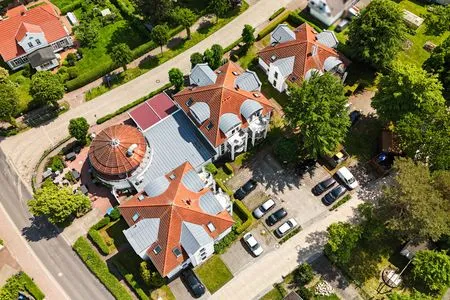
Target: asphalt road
x=52 y=249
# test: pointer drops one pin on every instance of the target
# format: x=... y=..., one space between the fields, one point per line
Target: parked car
x=331 y=162
x=263 y=209
x=347 y=177
x=333 y=195
x=305 y=166
x=194 y=284
x=276 y=216
x=71 y=156
x=245 y=189
x=254 y=246
x=285 y=227
x=323 y=186
x=354 y=117
x=342 y=25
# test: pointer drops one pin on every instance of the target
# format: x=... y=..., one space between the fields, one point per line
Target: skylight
x=135 y=217
x=211 y=227
x=157 y=249
x=176 y=251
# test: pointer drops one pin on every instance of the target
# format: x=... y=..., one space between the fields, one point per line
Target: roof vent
x=157 y=249
x=235 y=73
x=115 y=143
x=141 y=197
x=131 y=149
x=256 y=95
x=172 y=176
x=273 y=57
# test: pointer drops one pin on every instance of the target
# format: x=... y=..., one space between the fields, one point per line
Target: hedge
x=99 y=268
x=243 y=211
x=223 y=187
x=232 y=45
x=277 y=13
x=269 y=28
x=340 y=202
x=132 y=104
x=102 y=223
x=71 y=7
x=290 y=234
x=296 y=20
x=88 y=77
x=211 y=168
x=20 y=282
x=98 y=240
x=228 y=169
x=131 y=281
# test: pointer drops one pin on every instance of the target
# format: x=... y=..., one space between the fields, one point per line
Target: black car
x=323 y=186
x=354 y=117
x=245 y=189
x=276 y=216
x=305 y=166
x=334 y=194
x=191 y=280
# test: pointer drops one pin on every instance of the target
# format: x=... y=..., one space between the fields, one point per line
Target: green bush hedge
x=56 y=163
x=98 y=240
x=290 y=234
x=102 y=223
x=71 y=7
x=232 y=45
x=20 y=282
x=341 y=202
x=211 y=168
x=269 y=28
x=100 y=269
x=132 y=104
x=115 y=214
x=296 y=20
x=223 y=187
x=277 y=13
x=88 y=77
x=228 y=169
x=223 y=244
x=130 y=280
x=244 y=214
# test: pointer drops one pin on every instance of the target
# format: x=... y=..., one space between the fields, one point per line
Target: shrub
x=290 y=234
x=303 y=274
x=89 y=76
x=102 y=223
x=98 y=240
x=71 y=59
x=224 y=243
x=228 y=169
x=71 y=7
x=20 y=282
x=305 y=293
x=277 y=13
x=296 y=20
x=56 y=163
x=145 y=273
x=115 y=214
x=130 y=280
x=69 y=177
x=244 y=214
x=211 y=168
x=269 y=28
x=99 y=268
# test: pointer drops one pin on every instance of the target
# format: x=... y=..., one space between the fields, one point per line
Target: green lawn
x=214 y=273
x=274 y=294
x=163 y=293
x=23 y=90
x=62 y=3
x=113 y=234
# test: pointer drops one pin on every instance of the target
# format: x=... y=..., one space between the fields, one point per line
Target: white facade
x=322 y=11
x=32 y=41
x=274 y=75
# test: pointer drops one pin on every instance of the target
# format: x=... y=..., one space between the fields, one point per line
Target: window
x=276 y=75
x=211 y=227
x=38 y=41
x=189 y=102
x=209 y=126
x=274 y=83
x=202 y=250
x=30 y=44
x=176 y=251
x=135 y=217
x=157 y=249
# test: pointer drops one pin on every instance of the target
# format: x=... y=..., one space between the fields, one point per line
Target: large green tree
x=219 y=7
x=213 y=56
x=176 y=77
x=3 y=75
x=439 y=63
x=78 y=128
x=157 y=11
x=58 y=204
x=437 y=19
x=318 y=109
x=407 y=88
x=87 y=34
x=121 y=54
x=196 y=58
x=432 y=268
x=9 y=100
x=412 y=207
x=184 y=17
x=377 y=34
x=160 y=35
x=342 y=239
x=46 y=88
x=248 y=35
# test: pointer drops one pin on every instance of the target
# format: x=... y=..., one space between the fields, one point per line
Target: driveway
x=181 y=292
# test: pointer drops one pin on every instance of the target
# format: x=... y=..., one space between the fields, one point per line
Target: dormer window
x=209 y=126
x=273 y=58
x=157 y=249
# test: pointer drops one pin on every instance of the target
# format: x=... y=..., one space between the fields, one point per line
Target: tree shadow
x=315 y=242
x=204 y=26
x=40 y=228
x=175 y=42
x=323 y=266
x=128 y=35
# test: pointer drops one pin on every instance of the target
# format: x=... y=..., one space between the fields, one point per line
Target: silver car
x=254 y=246
x=263 y=209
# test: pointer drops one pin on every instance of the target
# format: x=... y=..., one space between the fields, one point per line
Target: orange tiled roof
x=43 y=16
x=222 y=97
x=175 y=205
x=301 y=48
x=108 y=151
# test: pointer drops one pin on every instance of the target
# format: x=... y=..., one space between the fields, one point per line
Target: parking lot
x=181 y=291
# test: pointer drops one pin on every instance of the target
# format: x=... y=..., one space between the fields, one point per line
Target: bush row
x=99 y=268
x=228 y=169
x=296 y=20
x=232 y=45
x=340 y=202
x=130 y=280
x=244 y=214
x=132 y=104
x=277 y=13
x=30 y=286
x=211 y=168
x=98 y=241
x=290 y=234
x=124 y=9
x=71 y=7
x=17 y=283
x=223 y=187
x=102 y=223
x=269 y=28
x=223 y=244
x=88 y=77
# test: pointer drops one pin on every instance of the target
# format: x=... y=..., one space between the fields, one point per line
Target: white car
x=347 y=177
x=286 y=227
x=263 y=209
x=254 y=246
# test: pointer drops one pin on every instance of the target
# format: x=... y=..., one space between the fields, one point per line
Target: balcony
x=258 y=124
x=207 y=178
x=237 y=141
x=224 y=200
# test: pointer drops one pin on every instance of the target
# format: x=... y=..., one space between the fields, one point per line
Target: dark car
x=334 y=194
x=354 y=117
x=305 y=166
x=245 y=189
x=276 y=216
x=191 y=280
x=323 y=186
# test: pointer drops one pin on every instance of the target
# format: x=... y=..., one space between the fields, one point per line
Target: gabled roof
x=41 y=56
x=183 y=223
x=202 y=75
x=21 y=20
x=309 y=53
x=222 y=97
x=281 y=34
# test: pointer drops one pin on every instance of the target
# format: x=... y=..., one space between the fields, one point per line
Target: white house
x=328 y=11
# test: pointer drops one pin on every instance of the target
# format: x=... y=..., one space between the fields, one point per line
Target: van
x=347 y=178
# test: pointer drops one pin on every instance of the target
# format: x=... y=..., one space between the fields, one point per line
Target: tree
x=214 y=56
x=3 y=75
x=78 y=128
x=415 y=295
x=377 y=34
x=46 y=88
x=432 y=268
x=303 y=274
x=438 y=19
x=184 y=17
x=9 y=100
x=407 y=89
x=441 y=182
x=342 y=239
x=439 y=63
x=318 y=109
x=121 y=54
x=176 y=77
x=145 y=273
x=87 y=34
x=219 y=7
x=71 y=59
x=157 y=10
x=196 y=58
x=160 y=35
x=58 y=204
x=248 y=35
x=412 y=208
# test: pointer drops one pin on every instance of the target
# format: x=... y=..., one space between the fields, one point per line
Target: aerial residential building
x=227 y=106
x=295 y=55
x=176 y=220
x=32 y=36
x=328 y=11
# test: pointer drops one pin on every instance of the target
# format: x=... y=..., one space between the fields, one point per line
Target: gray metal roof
x=174 y=141
x=249 y=107
x=228 y=121
x=157 y=186
x=202 y=75
x=193 y=237
x=143 y=234
x=201 y=111
x=311 y=72
x=41 y=56
x=282 y=34
x=331 y=62
x=327 y=38
x=192 y=181
x=248 y=81
x=210 y=204
x=285 y=65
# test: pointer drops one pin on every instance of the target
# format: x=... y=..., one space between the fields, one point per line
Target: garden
x=18 y=284
x=214 y=273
